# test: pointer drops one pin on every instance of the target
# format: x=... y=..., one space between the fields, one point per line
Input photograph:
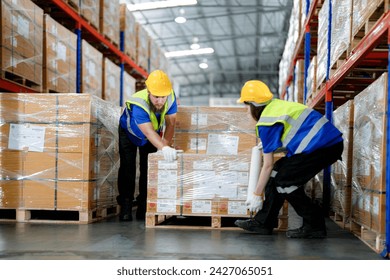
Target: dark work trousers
x=296 y=171
x=127 y=169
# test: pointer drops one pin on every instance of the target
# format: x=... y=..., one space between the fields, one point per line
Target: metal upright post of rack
x=386 y=251
x=328 y=114
x=122 y=67
x=306 y=51
x=78 y=57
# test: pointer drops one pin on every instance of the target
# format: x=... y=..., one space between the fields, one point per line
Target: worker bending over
x=141 y=127
x=311 y=142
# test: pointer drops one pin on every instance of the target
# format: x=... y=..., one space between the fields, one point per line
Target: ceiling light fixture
x=203 y=64
x=195 y=45
x=160 y=5
x=181 y=18
x=189 y=52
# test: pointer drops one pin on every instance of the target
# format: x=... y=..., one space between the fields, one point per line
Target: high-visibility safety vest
x=141 y=99
x=301 y=125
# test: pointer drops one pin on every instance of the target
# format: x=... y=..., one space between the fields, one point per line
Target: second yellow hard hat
x=255 y=91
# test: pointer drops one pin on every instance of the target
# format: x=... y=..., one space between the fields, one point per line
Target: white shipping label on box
x=239 y=166
x=23 y=26
x=237 y=207
x=242 y=192
x=202 y=165
x=367 y=202
x=204 y=185
x=226 y=191
x=228 y=177
x=91 y=68
x=375 y=206
x=203 y=191
x=166 y=206
x=166 y=191
x=199 y=144
x=219 y=144
x=198 y=119
x=61 y=51
x=26 y=137
x=163 y=164
x=201 y=206
x=167 y=177
x=242 y=178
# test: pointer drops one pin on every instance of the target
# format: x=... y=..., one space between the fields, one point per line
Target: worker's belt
x=287 y=190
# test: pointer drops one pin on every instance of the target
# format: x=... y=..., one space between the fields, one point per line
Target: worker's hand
x=254 y=203
x=170 y=154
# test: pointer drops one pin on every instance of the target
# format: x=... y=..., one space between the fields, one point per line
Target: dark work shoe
x=253 y=226
x=125 y=214
x=125 y=217
x=140 y=213
x=306 y=232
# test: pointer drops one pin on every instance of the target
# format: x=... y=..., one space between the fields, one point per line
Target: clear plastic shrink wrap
x=369 y=156
x=57 y=151
x=210 y=177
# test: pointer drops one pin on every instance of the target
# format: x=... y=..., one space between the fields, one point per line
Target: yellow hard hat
x=255 y=91
x=158 y=83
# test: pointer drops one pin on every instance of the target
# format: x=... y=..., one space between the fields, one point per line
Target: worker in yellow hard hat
x=311 y=143
x=146 y=125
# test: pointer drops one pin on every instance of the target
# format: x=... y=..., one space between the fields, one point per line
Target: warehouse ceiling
x=247 y=36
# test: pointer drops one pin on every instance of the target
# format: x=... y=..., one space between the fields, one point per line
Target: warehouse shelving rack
x=66 y=15
x=372 y=53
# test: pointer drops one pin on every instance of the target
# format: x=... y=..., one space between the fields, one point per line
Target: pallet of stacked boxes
x=365 y=14
x=21 y=43
x=341 y=172
x=322 y=47
x=59 y=57
x=59 y=157
x=128 y=31
x=108 y=20
x=91 y=70
x=111 y=81
x=210 y=177
x=143 y=47
x=368 y=213
x=90 y=11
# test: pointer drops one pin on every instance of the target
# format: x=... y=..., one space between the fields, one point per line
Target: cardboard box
x=21 y=45
x=59 y=57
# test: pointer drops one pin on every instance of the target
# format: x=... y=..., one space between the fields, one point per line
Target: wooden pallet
x=57 y=216
x=366 y=26
x=73 y=4
x=374 y=240
x=20 y=80
x=341 y=220
x=154 y=220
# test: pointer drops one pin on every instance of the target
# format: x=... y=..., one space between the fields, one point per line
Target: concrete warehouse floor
x=113 y=240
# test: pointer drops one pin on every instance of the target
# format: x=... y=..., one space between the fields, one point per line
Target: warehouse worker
x=311 y=143
x=147 y=125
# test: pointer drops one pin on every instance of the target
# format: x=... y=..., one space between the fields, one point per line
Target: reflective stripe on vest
x=292 y=125
x=128 y=126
